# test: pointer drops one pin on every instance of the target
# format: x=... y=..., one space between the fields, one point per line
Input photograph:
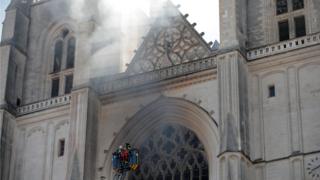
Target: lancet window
x=63 y=57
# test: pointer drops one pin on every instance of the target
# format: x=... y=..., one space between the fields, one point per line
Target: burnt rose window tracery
x=172 y=153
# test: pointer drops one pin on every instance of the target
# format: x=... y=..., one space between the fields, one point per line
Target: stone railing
x=284 y=46
x=53 y=102
x=157 y=75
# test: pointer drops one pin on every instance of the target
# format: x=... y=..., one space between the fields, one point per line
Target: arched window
x=64 y=49
x=71 y=52
x=172 y=153
x=58 y=52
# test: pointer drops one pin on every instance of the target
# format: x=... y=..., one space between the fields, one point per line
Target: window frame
x=73 y=49
x=54 y=70
x=65 y=82
x=295 y=26
x=51 y=92
x=280 y=13
x=62 y=76
x=272 y=91
x=293 y=6
x=290 y=15
x=288 y=29
x=61 y=147
x=65 y=36
x=180 y=145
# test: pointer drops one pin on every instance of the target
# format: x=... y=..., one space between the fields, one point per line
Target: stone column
x=233 y=126
x=4 y=64
x=7 y=127
x=82 y=135
x=256 y=123
x=233 y=24
x=18 y=157
x=295 y=112
x=49 y=151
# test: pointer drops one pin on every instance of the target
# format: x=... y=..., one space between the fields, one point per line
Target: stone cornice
x=283 y=47
x=43 y=105
x=159 y=87
x=304 y=55
x=135 y=81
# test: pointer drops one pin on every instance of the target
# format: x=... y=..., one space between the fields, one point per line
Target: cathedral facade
x=247 y=108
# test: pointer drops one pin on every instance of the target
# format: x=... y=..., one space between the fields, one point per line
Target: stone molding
x=42 y=105
x=128 y=82
x=282 y=47
x=157 y=75
x=160 y=87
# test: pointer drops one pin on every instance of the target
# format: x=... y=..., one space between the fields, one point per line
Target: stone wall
x=37 y=145
x=7 y=131
x=116 y=115
x=45 y=18
x=285 y=128
x=263 y=21
x=256 y=31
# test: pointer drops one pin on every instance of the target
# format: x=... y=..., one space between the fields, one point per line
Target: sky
x=3 y=5
x=204 y=12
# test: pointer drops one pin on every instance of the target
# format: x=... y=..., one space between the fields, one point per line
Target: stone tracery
x=172 y=43
x=172 y=152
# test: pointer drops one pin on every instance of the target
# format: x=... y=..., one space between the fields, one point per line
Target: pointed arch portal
x=177 y=139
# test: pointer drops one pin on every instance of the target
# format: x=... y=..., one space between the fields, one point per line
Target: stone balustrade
x=284 y=46
x=157 y=75
x=53 y=102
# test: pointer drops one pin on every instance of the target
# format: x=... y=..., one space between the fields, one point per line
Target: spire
x=215 y=45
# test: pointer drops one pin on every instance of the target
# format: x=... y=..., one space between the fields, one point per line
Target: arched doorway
x=184 y=118
x=172 y=152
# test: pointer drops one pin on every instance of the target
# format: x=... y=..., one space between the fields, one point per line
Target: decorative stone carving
x=285 y=46
x=34 y=130
x=114 y=85
x=46 y=104
x=171 y=41
x=172 y=152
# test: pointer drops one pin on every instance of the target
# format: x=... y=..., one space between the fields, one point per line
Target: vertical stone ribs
x=6 y=143
x=232 y=74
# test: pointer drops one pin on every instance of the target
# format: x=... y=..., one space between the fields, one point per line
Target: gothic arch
x=46 y=41
x=171 y=111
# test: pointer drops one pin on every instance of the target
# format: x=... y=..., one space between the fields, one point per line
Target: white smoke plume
x=118 y=31
x=120 y=26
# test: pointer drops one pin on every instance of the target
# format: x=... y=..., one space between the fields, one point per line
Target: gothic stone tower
x=13 y=58
x=246 y=111
x=268 y=124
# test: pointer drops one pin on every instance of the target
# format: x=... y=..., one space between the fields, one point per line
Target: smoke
x=121 y=24
x=118 y=29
